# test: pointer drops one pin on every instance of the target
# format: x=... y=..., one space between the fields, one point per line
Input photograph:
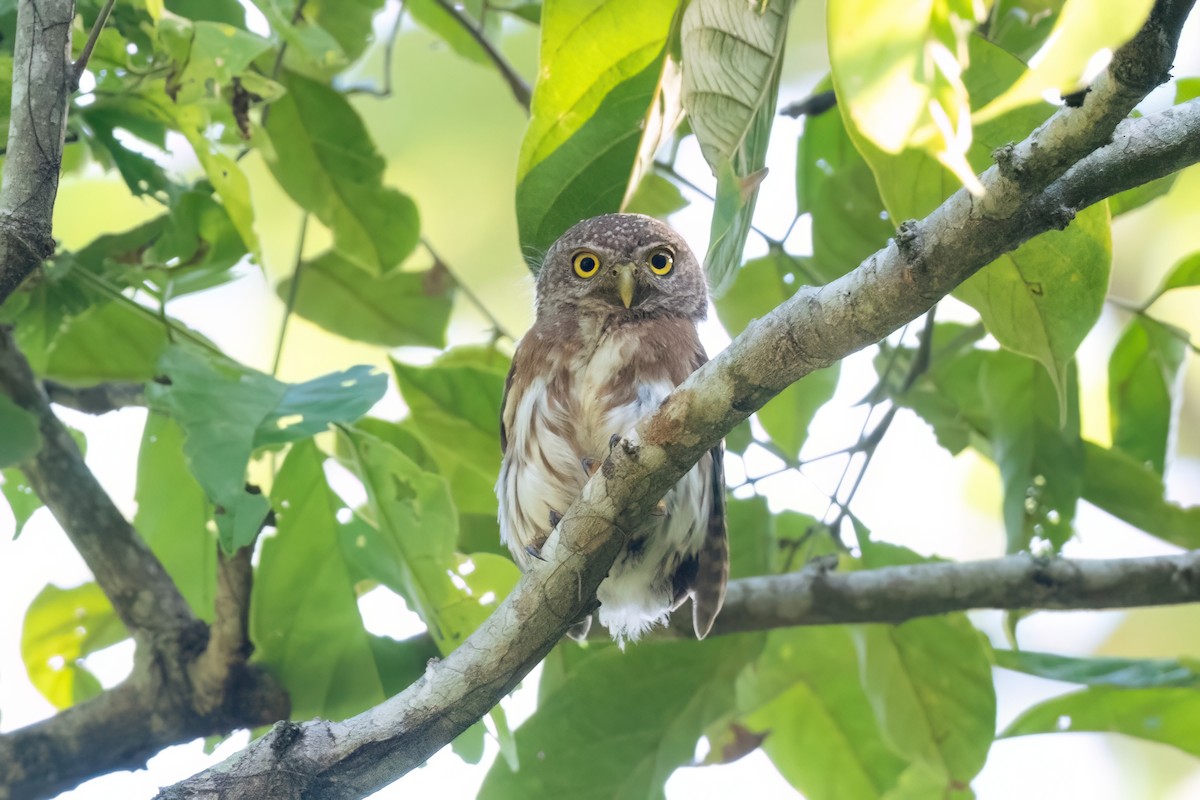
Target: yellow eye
x=661 y=262
x=586 y=263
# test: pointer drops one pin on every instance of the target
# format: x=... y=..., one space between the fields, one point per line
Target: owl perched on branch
x=618 y=299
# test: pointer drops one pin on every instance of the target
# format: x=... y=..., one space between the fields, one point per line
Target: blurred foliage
x=382 y=177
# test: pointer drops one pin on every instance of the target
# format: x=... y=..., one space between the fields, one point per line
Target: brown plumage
x=618 y=299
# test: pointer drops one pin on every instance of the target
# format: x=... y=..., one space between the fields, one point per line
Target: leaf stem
x=516 y=84
x=93 y=36
x=293 y=290
x=497 y=326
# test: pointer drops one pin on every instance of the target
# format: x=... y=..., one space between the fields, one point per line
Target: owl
x=618 y=299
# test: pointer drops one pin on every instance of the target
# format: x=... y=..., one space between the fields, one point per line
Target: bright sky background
x=914 y=494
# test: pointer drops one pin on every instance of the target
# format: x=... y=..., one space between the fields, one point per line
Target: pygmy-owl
x=618 y=299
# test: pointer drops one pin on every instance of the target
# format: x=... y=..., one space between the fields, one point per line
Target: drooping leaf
x=396 y=309
x=1144 y=388
x=929 y=683
x=1040 y=456
x=804 y=694
x=349 y=22
x=836 y=186
x=325 y=160
x=61 y=627
x=228 y=411
x=1065 y=62
x=22 y=500
x=732 y=55
x=414 y=527
x=1138 y=196
x=20 y=438
x=173 y=514
x=454 y=405
x=1127 y=673
x=1042 y=299
x=619 y=723
x=111 y=341
x=1132 y=491
x=224 y=174
x=304 y=614
x=1167 y=715
x=440 y=21
x=1021 y=26
x=600 y=66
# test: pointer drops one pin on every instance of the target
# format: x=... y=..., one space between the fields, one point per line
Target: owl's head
x=626 y=264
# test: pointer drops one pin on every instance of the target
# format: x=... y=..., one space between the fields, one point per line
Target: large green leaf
x=228 y=411
x=599 y=71
x=412 y=549
x=1042 y=299
x=312 y=50
x=207 y=55
x=1144 y=388
x=929 y=683
x=732 y=55
x=1132 y=491
x=441 y=21
x=173 y=514
x=1185 y=273
x=61 y=627
x=304 y=614
x=1040 y=460
x=19 y=435
x=1021 y=26
x=454 y=406
x=1128 y=673
x=396 y=309
x=112 y=341
x=804 y=694
x=617 y=724
x=323 y=157
x=1063 y=63
x=897 y=67
x=1167 y=715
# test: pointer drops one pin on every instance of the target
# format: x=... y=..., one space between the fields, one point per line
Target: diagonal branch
x=813 y=329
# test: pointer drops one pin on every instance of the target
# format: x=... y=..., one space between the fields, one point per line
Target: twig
x=293 y=290
x=93 y=36
x=811 y=106
x=297 y=15
x=99 y=399
x=497 y=326
x=1144 y=313
x=516 y=84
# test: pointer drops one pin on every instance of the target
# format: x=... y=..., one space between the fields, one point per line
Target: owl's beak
x=626 y=283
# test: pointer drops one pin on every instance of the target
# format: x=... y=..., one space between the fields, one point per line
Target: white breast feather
x=638 y=592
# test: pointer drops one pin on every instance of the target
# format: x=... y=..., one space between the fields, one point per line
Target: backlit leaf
x=1129 y=673
x=19 y=435
x=1144 y=389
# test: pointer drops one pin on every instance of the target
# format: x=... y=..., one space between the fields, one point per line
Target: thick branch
x=99 y=399
x=42 y=76
x=813 y=329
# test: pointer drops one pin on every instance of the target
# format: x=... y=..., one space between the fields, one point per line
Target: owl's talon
x=612 y=440
x=590 y=465
x=555 y=518
x=660 y=509
x=533 y=551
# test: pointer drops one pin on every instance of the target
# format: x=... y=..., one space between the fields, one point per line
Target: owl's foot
x=612 y=441
x=534 y=548
x=660 y=509
x=590 y=465
x=535 y=552
x=555 y=518
x=579 y=630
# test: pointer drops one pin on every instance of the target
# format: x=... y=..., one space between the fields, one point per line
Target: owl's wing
x=504 y=405
x=712 y=573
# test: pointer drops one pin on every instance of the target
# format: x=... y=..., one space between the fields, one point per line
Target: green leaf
x=1132 y=491
x=805 y=695
x=655 y=196
x=414 y=527
x=349 y=22
x=396 y=309
x=173 y=514
x=897 y=71
x=601 y=62
x=1127 y=673
x=1167 y=715
x=141 y=174
x=1042 y=299
x=454 y=406
x=312 y=50
x=1082 y=29
x=304 y=614
x=1040 y=460
x=929 y=682
x=1185 y=273
x=1021 y=26
x=836 y=186
x=619 y=723
x=1186 y=89
x=751 y=536
x=325 y=160
x=224 y=174
x=400 y=662
x=1138 y=196
x=112 y=341
x=19 y=435
x=228 y=411
x=1144 y=389
x=732 y=55
x=786 y=417
x=22 y=500
x=61 y=627
x=208 y=56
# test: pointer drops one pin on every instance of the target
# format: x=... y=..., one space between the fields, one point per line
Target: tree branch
x=93 y=36
x=516 y=84
x=99 y=399
x=813 y=329
x=41 y=77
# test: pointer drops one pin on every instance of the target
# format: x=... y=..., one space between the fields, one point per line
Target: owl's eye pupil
x=587 y=263
x=658 y=260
